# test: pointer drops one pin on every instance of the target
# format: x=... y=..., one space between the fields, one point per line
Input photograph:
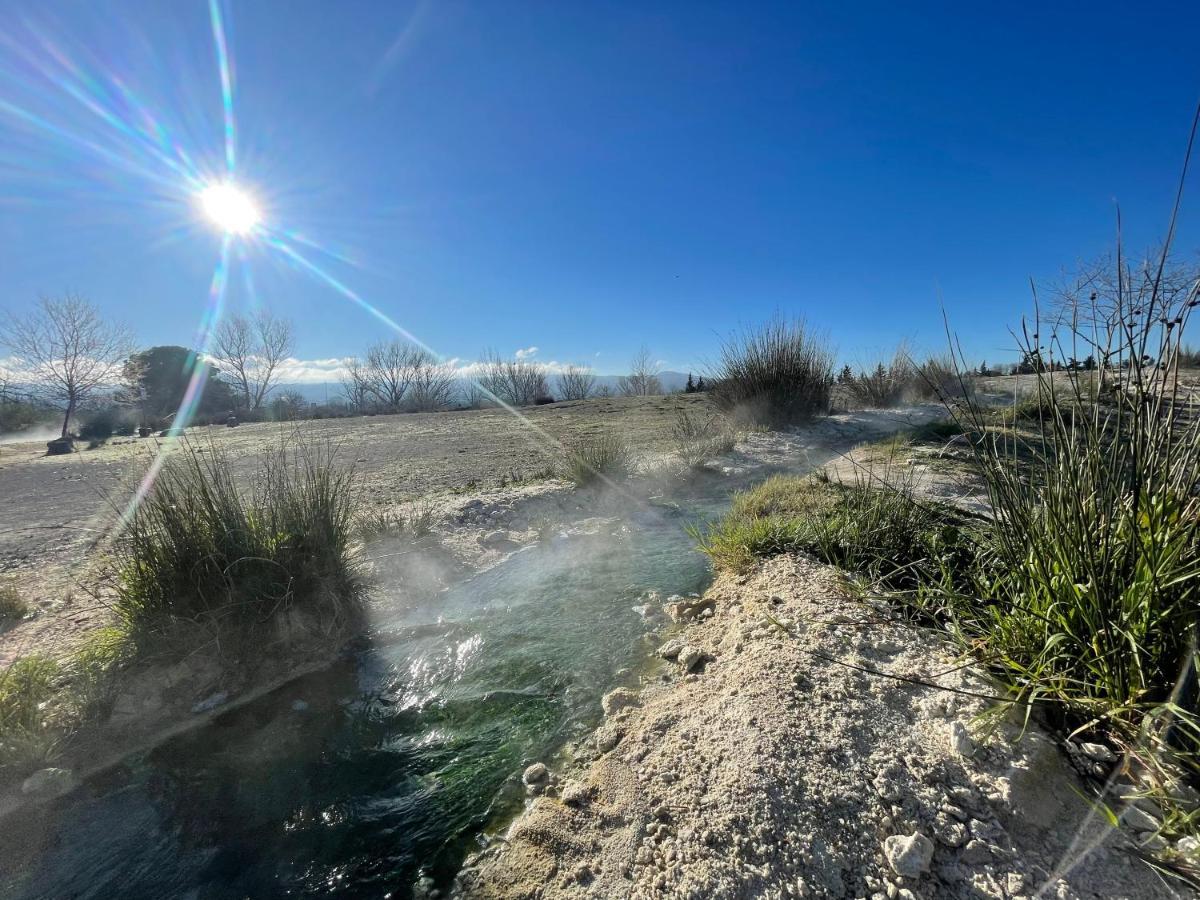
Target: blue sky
x=587 y=177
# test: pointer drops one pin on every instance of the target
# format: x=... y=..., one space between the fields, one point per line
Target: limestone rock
x=671 y=649
x=616 y=700
x=50 y=782
x=690 y=657
x=908 y=855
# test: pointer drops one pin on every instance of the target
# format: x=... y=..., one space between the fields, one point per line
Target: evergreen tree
x=700 y=388
x=691 y=385
x=846 y=376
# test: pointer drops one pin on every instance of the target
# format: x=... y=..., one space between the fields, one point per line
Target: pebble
x=1139 y=820
x=1098 y=752
x=960 y=739
x=210 y=702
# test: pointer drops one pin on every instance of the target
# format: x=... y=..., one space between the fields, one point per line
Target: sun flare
x=229 y=208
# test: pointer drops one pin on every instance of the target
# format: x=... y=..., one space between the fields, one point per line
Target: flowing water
x=361 y=779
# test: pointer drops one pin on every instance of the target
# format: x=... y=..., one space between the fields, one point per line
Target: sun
x=229 y=208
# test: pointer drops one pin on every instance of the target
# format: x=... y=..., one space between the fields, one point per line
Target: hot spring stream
x=360 y=779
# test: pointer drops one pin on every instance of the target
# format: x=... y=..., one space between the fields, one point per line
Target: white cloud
x=527 y=353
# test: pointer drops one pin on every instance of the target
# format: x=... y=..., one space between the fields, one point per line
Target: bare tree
x=390 y=368
x=355 y=386
x=432 y=387
x=67 y=351
x=642 y=380
x=251 y=349
x=517 y=382
x=289 y=405
x=576 y=383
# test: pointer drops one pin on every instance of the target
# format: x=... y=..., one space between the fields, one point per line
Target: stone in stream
x=535 y=774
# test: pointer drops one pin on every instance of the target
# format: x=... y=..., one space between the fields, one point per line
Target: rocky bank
x=797 y=743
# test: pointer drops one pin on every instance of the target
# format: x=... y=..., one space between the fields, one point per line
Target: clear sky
x=587 y=177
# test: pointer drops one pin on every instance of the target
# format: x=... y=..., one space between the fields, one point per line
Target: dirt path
x=778 y=767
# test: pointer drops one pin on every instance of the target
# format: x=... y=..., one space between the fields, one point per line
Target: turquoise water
x=360 y=779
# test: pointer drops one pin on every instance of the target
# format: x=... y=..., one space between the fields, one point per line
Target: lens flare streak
x=222 y=48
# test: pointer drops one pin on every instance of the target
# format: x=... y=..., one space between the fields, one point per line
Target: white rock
x=908 y=855
x=1188 y=847
x=1139 y=819
x=617 y=700
x=51 y=782
x=690 y=657
x=210 y=702
x=670 y=649
x=960 y=739
x=535 y=774
x=1098 y=752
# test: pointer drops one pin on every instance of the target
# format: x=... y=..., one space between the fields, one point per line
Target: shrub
x=902 y=380
x=698 y=439
x=884 y=386
x=200 y=550
x=938 y=378
x=26 y=687
x=600 y=457
x=777 y=375
x=13 y=607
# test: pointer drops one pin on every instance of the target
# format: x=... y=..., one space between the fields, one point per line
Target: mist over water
x=360 y=779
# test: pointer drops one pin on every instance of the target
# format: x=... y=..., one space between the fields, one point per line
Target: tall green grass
x=871 y=525
x=1090 y=598
x=201 y=549
x=13 y=607
x=26 y=733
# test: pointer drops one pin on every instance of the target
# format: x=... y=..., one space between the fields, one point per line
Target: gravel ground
x=777 y=767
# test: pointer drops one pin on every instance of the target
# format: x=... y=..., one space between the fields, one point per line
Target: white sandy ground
x=779 y=768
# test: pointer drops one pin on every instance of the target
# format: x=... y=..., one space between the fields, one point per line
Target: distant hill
x=332 y=390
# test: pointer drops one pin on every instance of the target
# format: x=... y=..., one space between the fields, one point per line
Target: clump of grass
x=201 y=550
x=1096 y=547
x=415 y=519
x=698 y=439
x=26 y=734
x=601 y=456
x=872 y=526
x=13 y=607
x=1085 y=597
x=777 y=375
